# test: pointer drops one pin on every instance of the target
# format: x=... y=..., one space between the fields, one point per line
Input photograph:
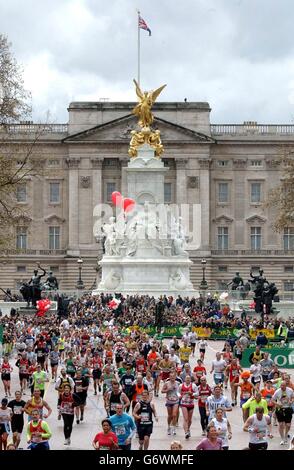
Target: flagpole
x=139 y=47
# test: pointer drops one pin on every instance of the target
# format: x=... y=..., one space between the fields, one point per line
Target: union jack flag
x=143 y=25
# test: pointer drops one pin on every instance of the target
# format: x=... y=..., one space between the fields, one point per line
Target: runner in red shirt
x=105 y=440
x=141 y=365
x=233 y=371
x=204 y=391
x=199 y=371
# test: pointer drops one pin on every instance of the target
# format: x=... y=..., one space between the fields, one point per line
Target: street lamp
x=80 y=284
x=203 y=284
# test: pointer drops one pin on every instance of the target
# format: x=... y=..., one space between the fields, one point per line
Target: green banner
x=216 y=334
x=1 y=334
x=282 y=356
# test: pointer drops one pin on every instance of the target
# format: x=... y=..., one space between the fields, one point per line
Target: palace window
x=288 y=238
x=256 y=162
x=54 y=196
x=223 y=269
x=223 y=192
x=110 y=188
x=255 y=236
x=21 y=269
x=54 y=238
x=223 y=162
x=222 y=238
x=288 y=286
x=21 y=192
x=255 y=193
x=21 y=237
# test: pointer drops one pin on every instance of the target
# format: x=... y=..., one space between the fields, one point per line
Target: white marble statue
x=111 y=248
x=177 y=280
x=132 y=239
x=179 y=238
x=112 y=280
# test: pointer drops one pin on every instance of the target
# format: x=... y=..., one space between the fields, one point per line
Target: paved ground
x=83 y=433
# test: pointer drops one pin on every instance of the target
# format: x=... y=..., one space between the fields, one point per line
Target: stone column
x=181 y=182
x=124 y=183
x=97 y=187
x=204 y=165
x=97 y=190
x=73 y=206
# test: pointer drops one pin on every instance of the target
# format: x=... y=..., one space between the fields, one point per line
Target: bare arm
x=48 y=409
x=135 y=412
x=247 y=424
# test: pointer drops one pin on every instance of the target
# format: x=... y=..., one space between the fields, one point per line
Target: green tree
x=19 y=152
x=281 y=198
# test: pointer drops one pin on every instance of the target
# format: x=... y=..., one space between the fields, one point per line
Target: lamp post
x=203 y=284
x=80 y=284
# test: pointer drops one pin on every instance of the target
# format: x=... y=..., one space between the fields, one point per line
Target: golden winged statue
x=146 y=135
x=143 y=108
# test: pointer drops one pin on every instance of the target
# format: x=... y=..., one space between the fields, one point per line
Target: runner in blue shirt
x=123 y=426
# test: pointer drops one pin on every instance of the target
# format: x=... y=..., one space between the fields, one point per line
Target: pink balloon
x=116 y=198
x=128 y=204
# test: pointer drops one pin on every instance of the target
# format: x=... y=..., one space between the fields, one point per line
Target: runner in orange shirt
x=246 y=392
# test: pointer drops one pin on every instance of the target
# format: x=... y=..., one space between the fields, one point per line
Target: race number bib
x=145 y=417
x=120 y=430
x=17 y=410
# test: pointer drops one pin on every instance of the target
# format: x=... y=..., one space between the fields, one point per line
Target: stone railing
x=253 y=252
x=34 y=128
x=33 y=252
x=252 y=128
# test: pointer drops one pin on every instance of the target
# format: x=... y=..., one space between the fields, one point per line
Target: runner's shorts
x=284 y=415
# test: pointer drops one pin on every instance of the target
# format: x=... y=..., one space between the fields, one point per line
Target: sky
x=238 y=55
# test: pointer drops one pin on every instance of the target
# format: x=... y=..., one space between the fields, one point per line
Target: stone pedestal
x=145 y=177
x=144 y=261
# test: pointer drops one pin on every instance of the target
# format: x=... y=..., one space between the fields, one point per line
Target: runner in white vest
x=259 y=427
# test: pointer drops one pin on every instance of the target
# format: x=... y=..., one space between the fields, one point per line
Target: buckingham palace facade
x=228 y=169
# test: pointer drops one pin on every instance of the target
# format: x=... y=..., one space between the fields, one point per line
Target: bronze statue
x=146 y=135
x=31 y=291
x=51 y=282
x=143 y=108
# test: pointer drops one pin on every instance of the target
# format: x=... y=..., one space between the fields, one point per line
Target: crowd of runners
x=89 y=353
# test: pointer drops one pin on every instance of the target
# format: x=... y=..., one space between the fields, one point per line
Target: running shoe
x=78 y=421
x=168 y=431
x=282 y=443
x=174 y=432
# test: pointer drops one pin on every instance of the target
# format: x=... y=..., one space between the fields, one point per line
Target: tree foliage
x=281 y=198
x=19 y=153
x=14 y=99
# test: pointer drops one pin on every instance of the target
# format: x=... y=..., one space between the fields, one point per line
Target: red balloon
x=116 y=198
x=128 y=204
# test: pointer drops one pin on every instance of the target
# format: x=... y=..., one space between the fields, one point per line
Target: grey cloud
x=236 y=54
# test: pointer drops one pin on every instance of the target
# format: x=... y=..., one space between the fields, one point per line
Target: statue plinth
x=145 y=253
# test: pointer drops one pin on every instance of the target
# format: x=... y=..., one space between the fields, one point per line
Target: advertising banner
x=282 y=356
x=208 y=333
